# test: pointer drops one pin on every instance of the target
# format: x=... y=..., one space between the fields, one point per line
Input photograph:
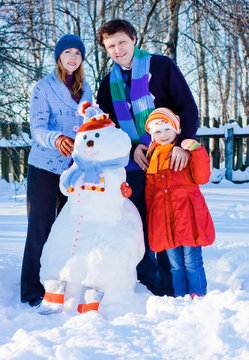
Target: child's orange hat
x=162 y=118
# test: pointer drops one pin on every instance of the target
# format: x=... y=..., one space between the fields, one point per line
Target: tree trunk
x=235 y=79
x=202 y=72
x=66 y=19
x=174 y=6
x=77 y=19
x=52 y=17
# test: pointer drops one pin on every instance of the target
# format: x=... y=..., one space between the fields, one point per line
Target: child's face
x=164 y=136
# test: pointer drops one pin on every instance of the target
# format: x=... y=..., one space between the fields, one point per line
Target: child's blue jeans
x=187 y=270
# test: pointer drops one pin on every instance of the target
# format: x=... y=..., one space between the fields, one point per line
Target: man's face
x=120 y=48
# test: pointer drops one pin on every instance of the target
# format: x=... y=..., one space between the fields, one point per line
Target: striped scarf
x=141 y=100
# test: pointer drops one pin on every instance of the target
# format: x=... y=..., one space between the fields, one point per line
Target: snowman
x=96 y=242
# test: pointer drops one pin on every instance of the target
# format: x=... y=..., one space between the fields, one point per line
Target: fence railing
x=15 y=143
x=228 y=147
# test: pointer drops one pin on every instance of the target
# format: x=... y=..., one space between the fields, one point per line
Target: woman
x=54 y=122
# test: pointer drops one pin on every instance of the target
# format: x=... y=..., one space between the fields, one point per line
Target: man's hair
x=114 y=26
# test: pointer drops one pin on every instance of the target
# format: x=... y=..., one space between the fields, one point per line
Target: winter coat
x=168 y=88
x=177 y=213
x=53 y=112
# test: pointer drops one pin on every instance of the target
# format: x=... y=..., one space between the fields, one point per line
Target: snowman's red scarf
x=93 y=170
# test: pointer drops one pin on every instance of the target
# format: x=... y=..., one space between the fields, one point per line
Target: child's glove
x=190 y=144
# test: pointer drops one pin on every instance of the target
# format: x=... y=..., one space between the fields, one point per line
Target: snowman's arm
x=63 y=178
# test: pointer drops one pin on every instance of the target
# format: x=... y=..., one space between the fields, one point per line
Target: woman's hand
x=140 y=158
x=178 y=158
x=65 y=145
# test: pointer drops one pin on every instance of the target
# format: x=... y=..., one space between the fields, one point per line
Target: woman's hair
x=77 y=82
x=114 y=26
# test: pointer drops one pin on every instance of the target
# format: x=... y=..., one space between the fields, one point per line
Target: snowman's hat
x=94 y=117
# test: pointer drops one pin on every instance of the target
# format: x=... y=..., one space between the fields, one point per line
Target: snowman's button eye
x=84 y=137
x=97 y=135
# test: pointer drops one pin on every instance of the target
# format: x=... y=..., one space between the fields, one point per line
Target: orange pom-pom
x=84 y=106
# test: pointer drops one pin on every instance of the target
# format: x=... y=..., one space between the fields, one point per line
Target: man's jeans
x=187 y=270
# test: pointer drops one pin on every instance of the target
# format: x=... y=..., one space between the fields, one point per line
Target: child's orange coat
x=177 y=213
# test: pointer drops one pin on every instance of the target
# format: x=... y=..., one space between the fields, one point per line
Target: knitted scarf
x=93 y=170
x=141 y=99
x=159 y=160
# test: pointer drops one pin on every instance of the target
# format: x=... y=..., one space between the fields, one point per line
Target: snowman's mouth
x=91 y=153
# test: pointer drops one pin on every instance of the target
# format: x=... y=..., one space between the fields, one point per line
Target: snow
x=223 y=130
x=23 y=141
x=215 y=327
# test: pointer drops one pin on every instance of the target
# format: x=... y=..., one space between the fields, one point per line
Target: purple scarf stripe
x=146 y=139
x=121 y=108
x=139 y=88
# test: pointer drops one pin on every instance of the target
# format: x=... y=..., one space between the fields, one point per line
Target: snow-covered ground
x=213 y=328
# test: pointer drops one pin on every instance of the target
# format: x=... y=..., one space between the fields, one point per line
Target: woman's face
x=71 y=59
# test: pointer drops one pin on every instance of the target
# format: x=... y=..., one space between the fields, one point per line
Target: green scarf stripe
x=118 y=93
x=139 y=120
x=139 y=54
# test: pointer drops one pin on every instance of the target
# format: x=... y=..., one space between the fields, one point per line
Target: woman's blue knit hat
x=69 y=41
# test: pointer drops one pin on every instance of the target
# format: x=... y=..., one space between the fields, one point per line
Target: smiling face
x=164 y=136
x=71 y=59
x=120 y=48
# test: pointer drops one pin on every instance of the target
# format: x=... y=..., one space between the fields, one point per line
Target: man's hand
x=178 y=158
x=65 y=145
x=140 y=158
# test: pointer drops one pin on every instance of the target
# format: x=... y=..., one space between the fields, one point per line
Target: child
x=178 y=218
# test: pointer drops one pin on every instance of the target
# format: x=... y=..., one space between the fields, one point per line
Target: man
x=138 y=83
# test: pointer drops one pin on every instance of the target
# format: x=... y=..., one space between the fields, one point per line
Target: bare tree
x=202 y=66
x=174 y=6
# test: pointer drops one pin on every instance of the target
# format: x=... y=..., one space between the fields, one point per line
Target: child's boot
x=190 y=144
x=193 y=295
x=53 y=299
x=89 y=300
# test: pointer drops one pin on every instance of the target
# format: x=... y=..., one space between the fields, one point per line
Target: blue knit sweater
x=53 y=112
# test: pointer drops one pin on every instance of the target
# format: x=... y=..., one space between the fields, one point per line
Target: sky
x=215 y=327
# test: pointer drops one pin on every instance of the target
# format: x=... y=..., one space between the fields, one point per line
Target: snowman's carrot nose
x=90 y=143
